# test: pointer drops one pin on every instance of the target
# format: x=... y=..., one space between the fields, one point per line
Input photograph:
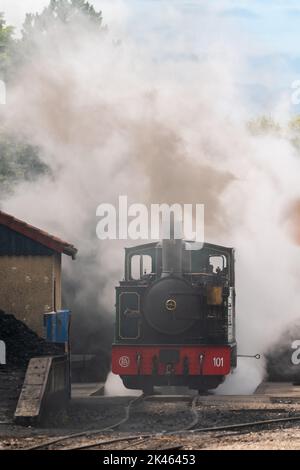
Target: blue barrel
x=57 y=326
x=50 y=326
x=63 y=326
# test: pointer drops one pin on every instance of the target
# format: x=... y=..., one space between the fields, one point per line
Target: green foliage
x=267 y=126
x=294 y=124
x=6 y=41
x=60 y=11
x=294 y=132
x=264 y=125
x=19 y=161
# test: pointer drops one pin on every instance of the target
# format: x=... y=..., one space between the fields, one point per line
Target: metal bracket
x=256 y=356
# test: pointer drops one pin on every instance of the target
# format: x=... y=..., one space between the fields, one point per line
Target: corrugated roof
x=40 y=236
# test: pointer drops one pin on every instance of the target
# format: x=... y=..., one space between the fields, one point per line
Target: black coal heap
x=22 y=343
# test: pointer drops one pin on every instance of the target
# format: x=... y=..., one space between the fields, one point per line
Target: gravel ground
x=156 y=416
x=281 y=439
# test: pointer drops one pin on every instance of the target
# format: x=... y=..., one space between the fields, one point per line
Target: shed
x=30 y=270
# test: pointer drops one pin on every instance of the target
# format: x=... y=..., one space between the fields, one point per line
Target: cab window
x=140 y=266
x=217 y=264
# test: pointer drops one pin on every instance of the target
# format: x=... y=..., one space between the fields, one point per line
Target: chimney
x=172 y=249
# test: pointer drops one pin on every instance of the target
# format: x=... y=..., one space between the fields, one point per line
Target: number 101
x=218 y=361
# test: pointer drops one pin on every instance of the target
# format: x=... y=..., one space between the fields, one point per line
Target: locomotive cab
x=175 y=316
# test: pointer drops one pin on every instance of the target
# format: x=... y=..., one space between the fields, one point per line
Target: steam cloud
x=118 y=117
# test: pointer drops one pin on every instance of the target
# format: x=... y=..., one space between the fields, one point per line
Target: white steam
x=121 y=117
x=114 y=387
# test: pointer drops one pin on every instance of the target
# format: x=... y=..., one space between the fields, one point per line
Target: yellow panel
x=214 y=295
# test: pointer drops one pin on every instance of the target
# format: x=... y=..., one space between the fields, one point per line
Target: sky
x=273 y=23
x=265 y=31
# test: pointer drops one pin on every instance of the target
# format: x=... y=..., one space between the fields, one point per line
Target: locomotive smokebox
x=172 y=253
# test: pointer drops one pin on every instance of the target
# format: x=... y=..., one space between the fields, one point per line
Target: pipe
x=172 y=250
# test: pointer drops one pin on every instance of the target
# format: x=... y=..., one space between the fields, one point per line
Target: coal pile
x=22 y=343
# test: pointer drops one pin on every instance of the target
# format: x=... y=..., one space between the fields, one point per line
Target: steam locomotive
x=175 y=316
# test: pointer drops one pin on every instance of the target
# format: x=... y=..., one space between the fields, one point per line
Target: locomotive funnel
x=172 y=253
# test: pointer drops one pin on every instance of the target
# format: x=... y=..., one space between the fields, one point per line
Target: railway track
x=149 y=441
x=64 y=442
x=131 y=438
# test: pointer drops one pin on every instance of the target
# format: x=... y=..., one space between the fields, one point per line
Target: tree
x=264 y=125
x=6 y=41
x=294 y=132
x=19 y=161
x=61 y=11
x=63 y=19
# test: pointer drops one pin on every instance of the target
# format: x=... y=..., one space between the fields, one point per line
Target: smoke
x=114 y=387
x=292 y=219
x=113 y=115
